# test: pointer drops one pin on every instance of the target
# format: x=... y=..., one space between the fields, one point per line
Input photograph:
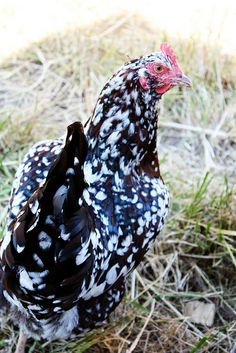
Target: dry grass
x=56 y=82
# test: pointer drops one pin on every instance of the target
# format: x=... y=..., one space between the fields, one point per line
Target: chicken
x=84 y=210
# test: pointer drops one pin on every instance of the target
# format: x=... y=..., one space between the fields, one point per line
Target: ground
x=57 y=81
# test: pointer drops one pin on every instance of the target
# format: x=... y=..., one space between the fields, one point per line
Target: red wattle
x=163 y=89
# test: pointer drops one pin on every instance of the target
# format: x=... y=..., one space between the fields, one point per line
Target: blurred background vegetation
x=55 y=58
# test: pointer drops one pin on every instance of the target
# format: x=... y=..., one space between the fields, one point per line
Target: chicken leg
x=233 y=350
x=20 y=348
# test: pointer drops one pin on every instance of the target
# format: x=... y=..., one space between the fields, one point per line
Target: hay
x=56 y=82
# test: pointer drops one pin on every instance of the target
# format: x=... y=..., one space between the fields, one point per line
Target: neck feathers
x=123 y=127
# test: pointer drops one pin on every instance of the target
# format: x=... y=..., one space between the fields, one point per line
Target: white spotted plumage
x=81 y=217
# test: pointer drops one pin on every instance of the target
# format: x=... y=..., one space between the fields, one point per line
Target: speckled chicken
x=84 y=210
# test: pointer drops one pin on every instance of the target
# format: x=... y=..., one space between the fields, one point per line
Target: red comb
x=166 y=48
x=169 y=52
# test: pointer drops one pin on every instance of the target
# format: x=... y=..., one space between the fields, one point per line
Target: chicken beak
x=184 y=81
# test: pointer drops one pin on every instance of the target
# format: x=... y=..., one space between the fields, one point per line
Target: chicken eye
x=158 y=68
